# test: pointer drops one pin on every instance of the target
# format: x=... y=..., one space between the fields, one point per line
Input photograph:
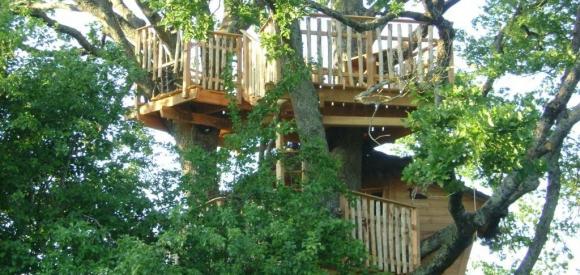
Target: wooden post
x=279 y=164
x=402 y=71
x=186 y=70
x=370 y=59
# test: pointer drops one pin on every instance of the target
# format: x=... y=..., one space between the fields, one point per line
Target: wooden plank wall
x=433 y=211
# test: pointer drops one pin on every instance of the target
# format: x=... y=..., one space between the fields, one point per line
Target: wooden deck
x=344 y=63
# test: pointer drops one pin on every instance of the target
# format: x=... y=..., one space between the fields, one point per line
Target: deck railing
x=340 y=57
x=346 y=58
x=388 y=230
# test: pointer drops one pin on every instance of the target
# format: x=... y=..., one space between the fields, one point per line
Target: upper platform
x=191 y=74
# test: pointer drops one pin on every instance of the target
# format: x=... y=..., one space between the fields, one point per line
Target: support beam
x=361 y=121
x=194 y=118
x=347 y=96
x=195 y=95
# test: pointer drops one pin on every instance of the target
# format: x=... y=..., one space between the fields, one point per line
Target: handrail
x=383 y=199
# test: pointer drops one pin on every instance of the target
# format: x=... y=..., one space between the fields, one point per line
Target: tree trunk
x=346 y=144
x=188 y=137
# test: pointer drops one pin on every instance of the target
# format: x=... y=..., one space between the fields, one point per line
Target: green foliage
x=480 y=137
x=69 y=189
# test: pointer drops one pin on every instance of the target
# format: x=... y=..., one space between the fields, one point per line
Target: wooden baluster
x=381 y=64
x=397 y=224
x=319 y=49
x=430 y=48
x=390 y=53
x=349 y=55
x=365 y=213
x=339 y=56
x=410 y=49
x=308 y=41
x=155 y=58
x=186 y=70
x=227 y=48
x=176 y=56
x=138 y=47
x=415 y=239
x=392 y=225
x=240 y=65
x=385 y=237
x=379 y=233
x=160 y=56
x=353 y=218
x=372 y=227
x=360 y=60
x=145 y=62
x=329 y=52
x=401 y=60
x=359 y=212
x=218 y=49
x=420 y=52
x=404 y=234
x=370 y=59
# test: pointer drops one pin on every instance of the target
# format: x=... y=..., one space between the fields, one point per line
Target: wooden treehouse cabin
x=388 y=216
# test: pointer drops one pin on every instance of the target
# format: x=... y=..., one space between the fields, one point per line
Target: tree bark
x=346 y=146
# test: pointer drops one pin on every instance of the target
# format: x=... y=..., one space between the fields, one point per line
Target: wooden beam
x=195 y=118
x=337 y=95
x=196 y=95
x=152 y=121
x=361 y=121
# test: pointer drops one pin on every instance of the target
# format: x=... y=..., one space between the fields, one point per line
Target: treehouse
x=191 y=78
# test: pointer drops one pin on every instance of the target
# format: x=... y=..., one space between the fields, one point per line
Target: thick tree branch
x=103 y=11
x=127 y=14
x=72 y=32
x=543 y=226
x=370 y=25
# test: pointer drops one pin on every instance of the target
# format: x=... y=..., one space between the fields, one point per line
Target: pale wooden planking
x=359 y=46
x=381 y=63
x=401 y=61
x=319 y=49
x=379 y=233
x=329 y=52
x=227 y=44
x=349 y=55
x=390 y=52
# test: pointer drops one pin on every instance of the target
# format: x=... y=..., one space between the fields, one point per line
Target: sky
x=461 y=15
